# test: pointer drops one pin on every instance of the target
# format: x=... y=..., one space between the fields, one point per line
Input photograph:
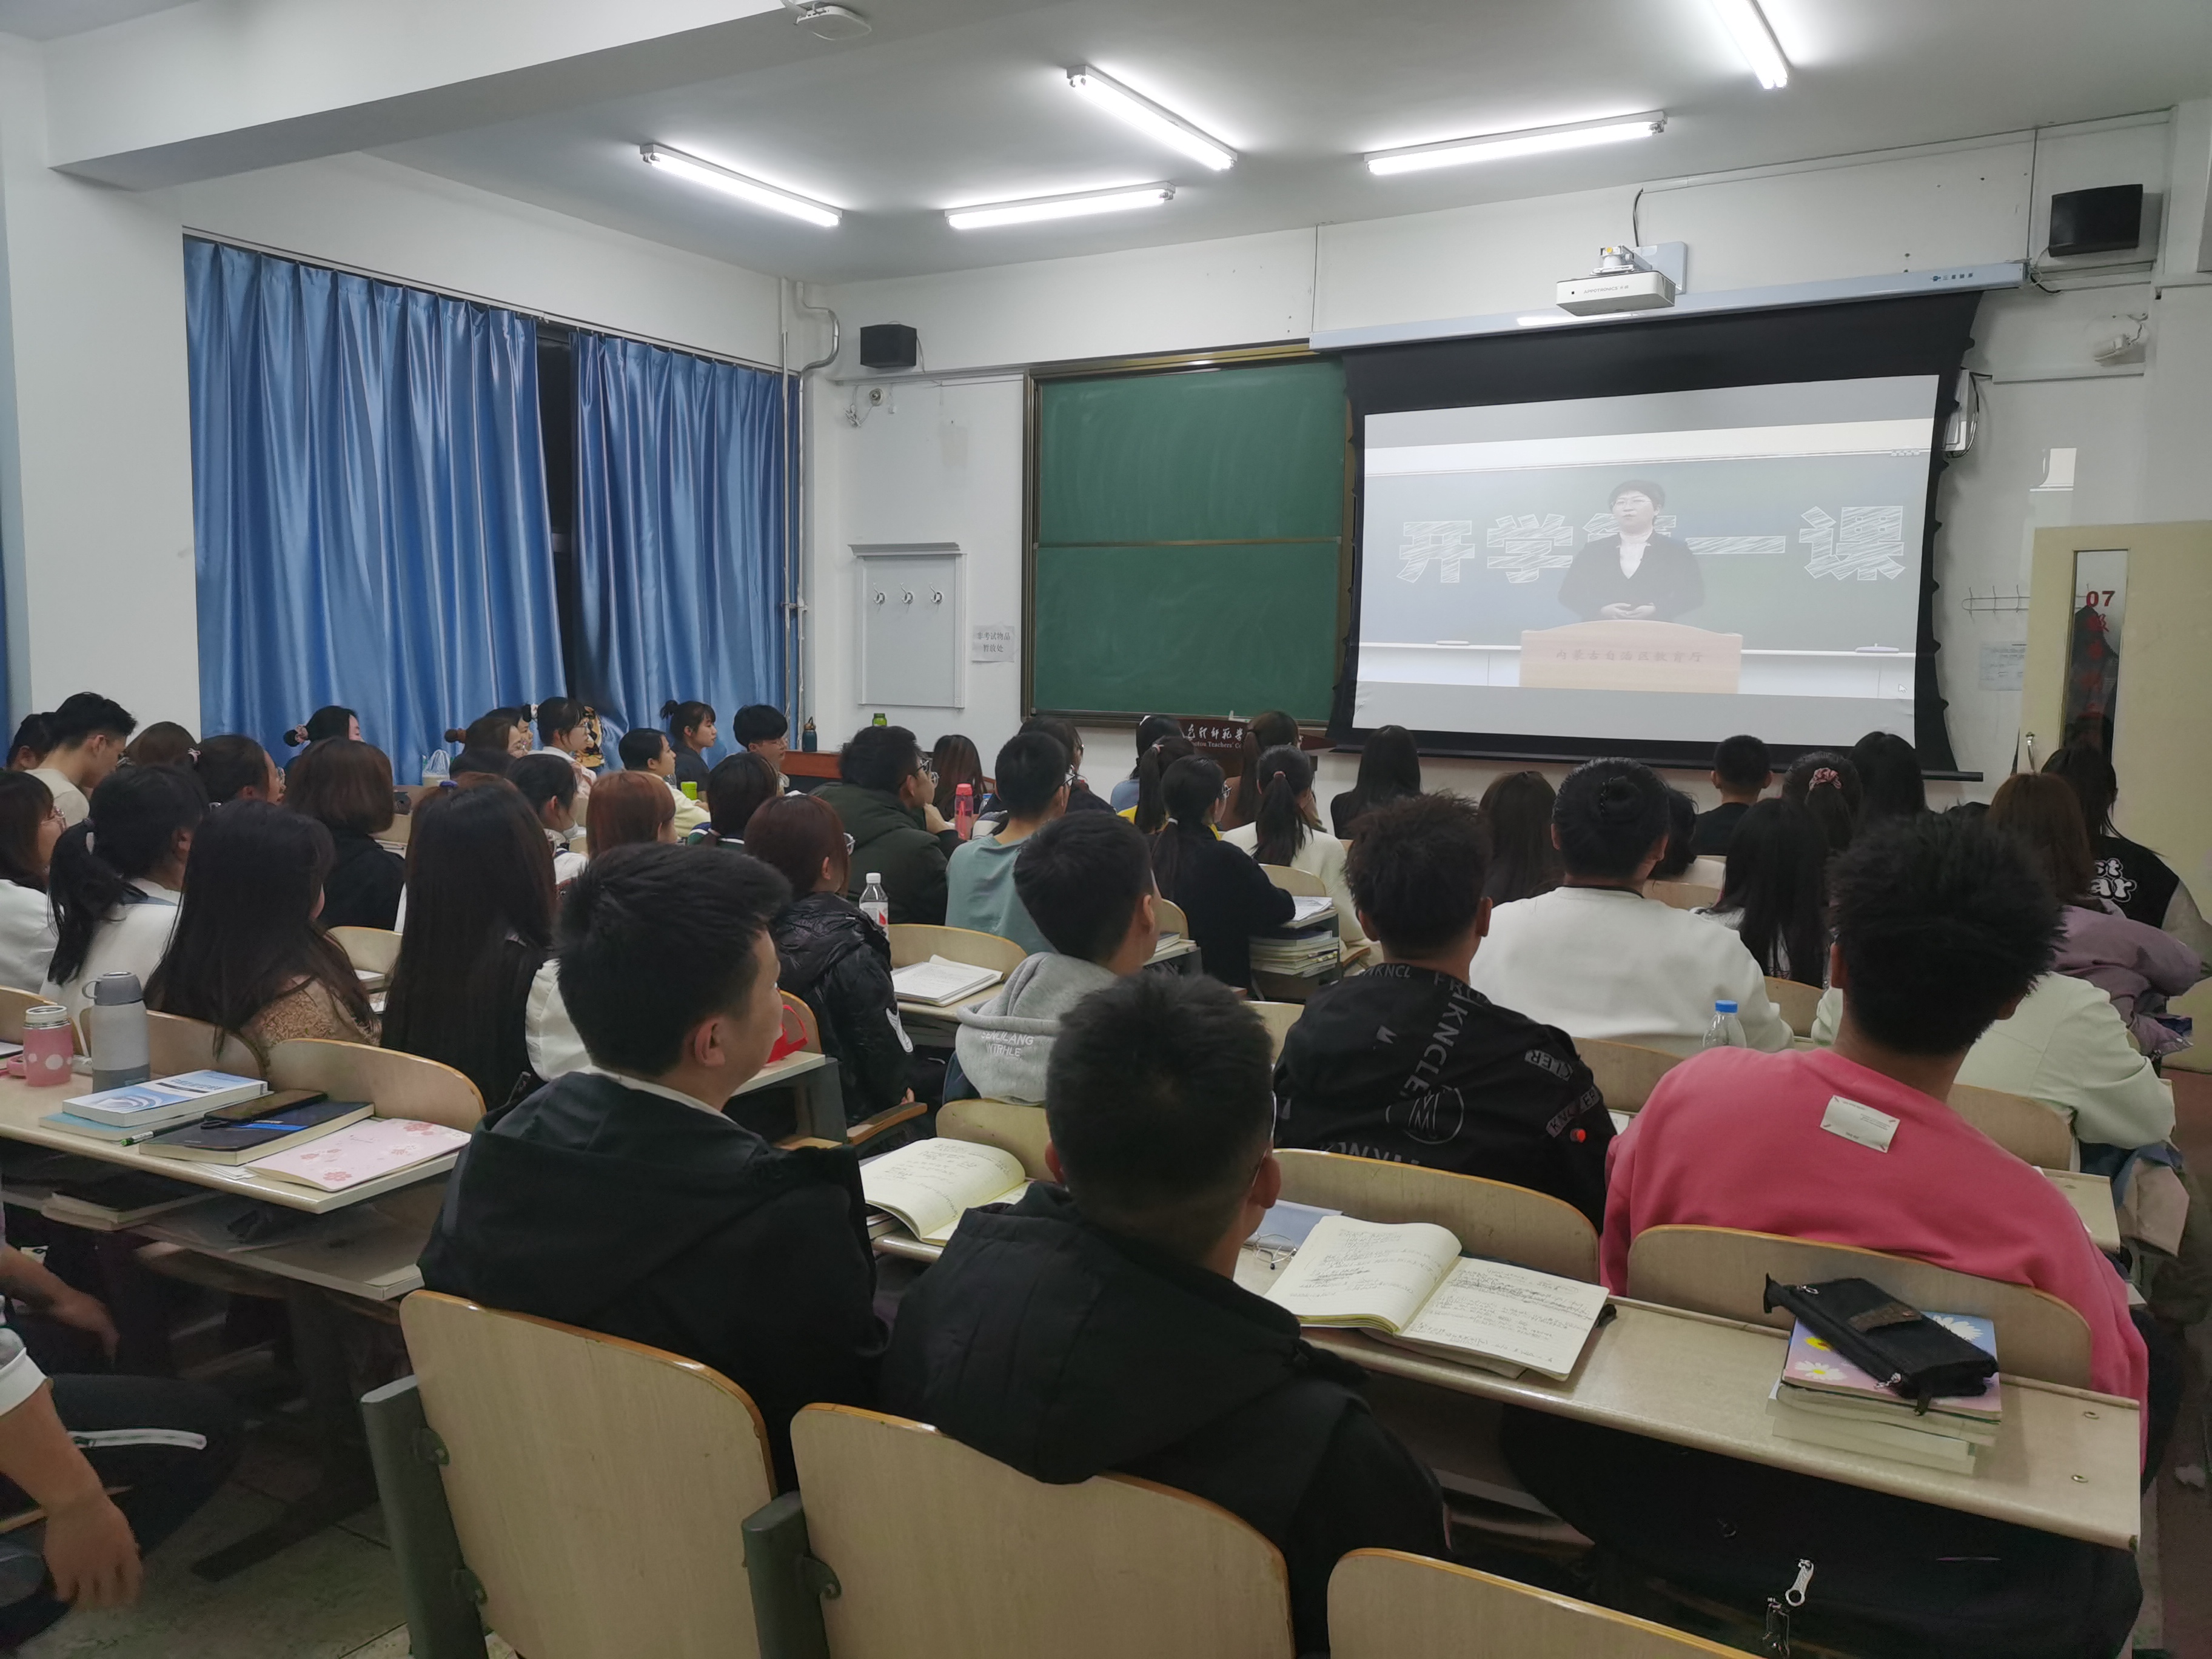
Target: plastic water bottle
x=115 y=1031
x=963 y=809
x=1727 y=1030
x=876 y=905
x=437 y=766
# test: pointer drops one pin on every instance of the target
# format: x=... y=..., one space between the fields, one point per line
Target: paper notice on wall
x=990 y=642
x=2004 y=667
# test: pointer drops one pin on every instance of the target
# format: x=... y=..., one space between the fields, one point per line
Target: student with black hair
x=1149 y=810
x=117 y=878
x=1775 y=895
x=234 y=766
x=162 y=743
x=90 y=733
x=1034 y=777
x=1079 y=796
x=1389 y=769
x=1826 y=784
x=691 y=731
x=475 y=763
x=1087 y=883
x=1272 y=729
x=346 y=786
x=1285 y=830
x=1223 y=895
x=547 y=784
x=33 y=741
x=1409 y=1063
x=1096 y=1325
x=1890 y=784
x=1594 y=957
x=1941 y=927
x=738 y=786
x=29 y=827
x=1681 y=834
x=885 y=796
x=1150 y=730
x=2128 y=873
x=1742 y=773
x=564 y=733
x=762 y=728
x=328 y=722
x=643 y=748
x=954 y=762
x=1515 y=811
x=501 y=732
x=622 y=1200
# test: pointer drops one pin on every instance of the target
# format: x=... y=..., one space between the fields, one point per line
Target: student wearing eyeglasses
x=885 y=798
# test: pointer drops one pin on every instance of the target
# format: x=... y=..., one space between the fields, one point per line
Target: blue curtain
x=368 y=482
x=679 y=532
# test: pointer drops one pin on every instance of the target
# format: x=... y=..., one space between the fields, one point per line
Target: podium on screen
x=1630 y=656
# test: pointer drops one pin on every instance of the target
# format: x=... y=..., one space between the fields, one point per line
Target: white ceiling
x=49 y=20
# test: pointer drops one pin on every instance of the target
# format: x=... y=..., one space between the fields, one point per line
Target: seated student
x=1682 y=829
x=328 y=722
x=1509 y=1099
x=346 y=786
x=1826 y=784
x=1150 y=730
x=736 y=789
x=1087 y=882
x=1524 y=860
x=565 y=733
x=89 y=733
x=1223 y=895
x=885 y=796
x=162 y=743
x=33 y=741
x=762 y=728
x=1742 y=773
x=1595 y=957
x=622 y=1200
x=1775 y=895
x=644 y=749
x=831 y=956
x=954 y=762
x=1079 y=796
x=1149 y=811
x=1389 y=769
x=2130 y=875
x=547 y=784
x=499 y=732
x=1285 y=830
x=1890 y=785
x=979 y=879
x=234 y=766
x=1939 y=929
x=29 y=827
x=1097 y=1325
x=115 y=897
x=246 y=955
x=1272 y=729
x=480 y=902
x=691 y=734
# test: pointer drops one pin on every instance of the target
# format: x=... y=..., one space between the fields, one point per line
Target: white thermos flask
x=115 y=1031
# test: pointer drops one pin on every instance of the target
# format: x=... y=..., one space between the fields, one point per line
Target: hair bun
x=455 y=734
x=294 y=736
x=1618 y=798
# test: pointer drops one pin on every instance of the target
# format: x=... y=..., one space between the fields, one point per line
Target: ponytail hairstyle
x=329 y=721
x=1150 y=730
x=137 y=812
x=1189 y=791
x=1273 y=730
x=229 y=765
x=1777 y=878
x=1826 y=784
x=1610 y=814
x=683 y=717
x=1282 y=818
x=1151 y=805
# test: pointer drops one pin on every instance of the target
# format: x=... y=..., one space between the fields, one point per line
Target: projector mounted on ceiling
x=1624 y=281
x=830 y=22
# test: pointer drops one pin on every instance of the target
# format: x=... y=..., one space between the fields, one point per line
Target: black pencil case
x=1892 y=1342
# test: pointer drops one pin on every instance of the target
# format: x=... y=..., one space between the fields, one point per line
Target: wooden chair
x=1298 y=882
x=14 y=1004
x=941 y=1550
x=597 y=1486
x=1278 y=1018
x=2025 y=1127
x=1798 y=1002
x=1170 y=917
x=867 y=1128
x=1722 y=1271
x=1008 y=1125
x=914 y=941
x=1489 y=1218
x=1385 y=1604
x=1683 y=895
x=371 y=950
x=176 y=1044
x=397 y=1084
x=1626 y=1072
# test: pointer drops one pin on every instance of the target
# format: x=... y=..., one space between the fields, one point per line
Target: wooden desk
x=2091 y=1195
x=368 y=1252
x=816 y=763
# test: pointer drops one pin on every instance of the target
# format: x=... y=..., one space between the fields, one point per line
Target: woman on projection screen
x=1635 y=574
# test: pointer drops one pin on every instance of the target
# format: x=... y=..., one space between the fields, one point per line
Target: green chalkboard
x=1190 y=541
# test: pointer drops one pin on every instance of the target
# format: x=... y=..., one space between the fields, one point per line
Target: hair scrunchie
x=1826 y=775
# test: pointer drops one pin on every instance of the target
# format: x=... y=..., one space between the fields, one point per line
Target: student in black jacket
x=1225 y=896
x=1407 y=1062
x=1098 y=1325
x=347 y=786
x=622 y=1200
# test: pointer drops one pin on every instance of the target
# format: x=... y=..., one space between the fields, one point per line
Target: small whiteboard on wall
x=913 y=633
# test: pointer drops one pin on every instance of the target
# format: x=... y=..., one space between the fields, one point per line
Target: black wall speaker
x=2104 y=220
x=894 y=345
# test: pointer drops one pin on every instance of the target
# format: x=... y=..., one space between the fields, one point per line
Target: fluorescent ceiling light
x=985 y=214
x=1754 y=39
x=736 y=184
x=1503 y=146
x=1149 y=118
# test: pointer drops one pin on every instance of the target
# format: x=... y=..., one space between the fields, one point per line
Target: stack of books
x=143 y=1111
x=941 y=982
x=1824 y=1399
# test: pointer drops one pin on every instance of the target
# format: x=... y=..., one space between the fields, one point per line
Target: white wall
x=1946 y=206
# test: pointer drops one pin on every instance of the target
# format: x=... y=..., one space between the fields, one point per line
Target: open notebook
x=930 y=1184
x=940 y=980
x=1409 y=1283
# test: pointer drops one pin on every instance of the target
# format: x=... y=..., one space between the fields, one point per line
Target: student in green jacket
x=884 y=798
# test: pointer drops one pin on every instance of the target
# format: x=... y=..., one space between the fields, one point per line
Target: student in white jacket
x=117 y=878
x=30 y=825
x=1595 y=957
x=1286 y=830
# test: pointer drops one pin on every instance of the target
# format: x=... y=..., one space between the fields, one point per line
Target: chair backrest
x=175 y=1044
x=1720 y=1270
x=1798 y=1002
x=1384 y=1604
x=1278 y=1018
x=597 y=1486
x=1170 y=917
x=795 y=1008
x=13 y=1004
x=2025 y=1127
x=1297 y=882
x=941 y=1550
x=397 y=1084
x=1626 y=1072
x=1489 y=1218
x=1683 y=895
x=374 y=949
x=914 y=941
x=1008 y=1125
